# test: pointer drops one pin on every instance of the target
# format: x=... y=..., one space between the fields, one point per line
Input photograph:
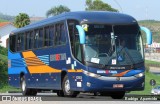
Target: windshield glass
x=113 y=45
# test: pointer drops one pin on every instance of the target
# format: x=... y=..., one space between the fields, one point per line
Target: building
x=5 y=30
x=36 y=19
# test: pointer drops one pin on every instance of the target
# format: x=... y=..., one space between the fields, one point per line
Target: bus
x=79 y=52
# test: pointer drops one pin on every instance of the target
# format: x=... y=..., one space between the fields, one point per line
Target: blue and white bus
x=79 y=52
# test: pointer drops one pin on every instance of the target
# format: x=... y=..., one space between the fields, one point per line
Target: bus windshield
x=113 y=45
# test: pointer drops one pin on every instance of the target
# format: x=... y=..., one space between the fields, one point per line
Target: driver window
x=74 y=39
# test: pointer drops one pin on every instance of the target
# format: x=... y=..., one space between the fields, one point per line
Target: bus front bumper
x=104 y=83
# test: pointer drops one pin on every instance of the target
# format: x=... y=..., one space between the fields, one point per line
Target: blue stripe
x=17 y=70
x=45 y=62
x=44 y=59
x=44 y=56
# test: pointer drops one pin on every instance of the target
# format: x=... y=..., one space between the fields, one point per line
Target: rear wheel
x=118 y=95
x=26 y=91
x=66 y=88
x=104 y=94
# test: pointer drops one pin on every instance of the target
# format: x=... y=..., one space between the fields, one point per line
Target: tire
x=26 y=91
x=66 y=88
x=118 y=95
x=60 y=93
x=104 y=93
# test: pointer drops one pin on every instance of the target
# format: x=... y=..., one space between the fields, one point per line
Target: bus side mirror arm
x=81 y=34
x=148 y=34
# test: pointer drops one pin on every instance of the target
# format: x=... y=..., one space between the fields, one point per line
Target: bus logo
x=118 y=78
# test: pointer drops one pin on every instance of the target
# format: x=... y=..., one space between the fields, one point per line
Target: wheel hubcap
x=67 y=86
x=23 y=85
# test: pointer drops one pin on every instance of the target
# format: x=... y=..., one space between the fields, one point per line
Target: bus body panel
x=49 y=63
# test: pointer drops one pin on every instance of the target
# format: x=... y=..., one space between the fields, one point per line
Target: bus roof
x=100 y=17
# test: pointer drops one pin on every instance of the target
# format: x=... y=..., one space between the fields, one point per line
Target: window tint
x=31 y=40
x=36 y=37
x=74 y=39
x=46 y=37
x=51 y=35
x=12 y=43
x=40 y=40
x=20 y=42
x=27 y=40
x=56 y=34
x=60 y=38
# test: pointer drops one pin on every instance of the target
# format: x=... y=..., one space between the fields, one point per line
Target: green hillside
x=2 y=20
x=154 y=26
x=4 y=17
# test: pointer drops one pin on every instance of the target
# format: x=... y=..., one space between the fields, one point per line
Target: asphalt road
x=83 y=98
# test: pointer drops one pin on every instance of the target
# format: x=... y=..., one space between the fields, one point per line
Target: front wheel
x=66 y=88
x=26 y=91
x=118 y=95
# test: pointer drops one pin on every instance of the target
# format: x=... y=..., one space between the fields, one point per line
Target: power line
x=118 y=5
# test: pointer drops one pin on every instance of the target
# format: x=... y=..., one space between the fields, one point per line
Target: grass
x=151 y=62
x=148 y=77
x=148 y=87
x=8 y=88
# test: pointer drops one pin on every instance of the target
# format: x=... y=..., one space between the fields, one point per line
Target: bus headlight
x=139 y=75
x=91 y=74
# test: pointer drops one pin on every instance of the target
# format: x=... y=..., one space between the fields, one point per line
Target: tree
x=21 y=20
x=99 y=6
x=57 y=10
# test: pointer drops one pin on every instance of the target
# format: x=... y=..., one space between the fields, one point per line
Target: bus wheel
x=104 y=93
x=60 y=93
x=25 y=90
x=118 y=95
x=66 y=88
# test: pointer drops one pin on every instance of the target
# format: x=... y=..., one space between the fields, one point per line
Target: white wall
x=4 y=33
x=3 y=39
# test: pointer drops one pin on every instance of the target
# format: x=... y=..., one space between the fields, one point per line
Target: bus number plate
x=117 y=85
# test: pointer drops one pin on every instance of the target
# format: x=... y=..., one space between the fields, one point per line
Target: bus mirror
x=148 y=34
x=81 y=34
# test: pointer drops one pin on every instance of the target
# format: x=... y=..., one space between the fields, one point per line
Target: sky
x=139 y=9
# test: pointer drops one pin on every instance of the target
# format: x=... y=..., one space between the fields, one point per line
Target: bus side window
x=36 y=38
x=22 y=42
x=51 y=35
x=62 y=37
x=46 y=37
x=18 y=42
x=27 y=41
x=74 y=39
x=57 y=30
x=40 y=40
x=12 y=42
x=31 y=40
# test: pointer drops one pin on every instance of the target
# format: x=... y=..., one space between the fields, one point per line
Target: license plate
x=118 y=86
